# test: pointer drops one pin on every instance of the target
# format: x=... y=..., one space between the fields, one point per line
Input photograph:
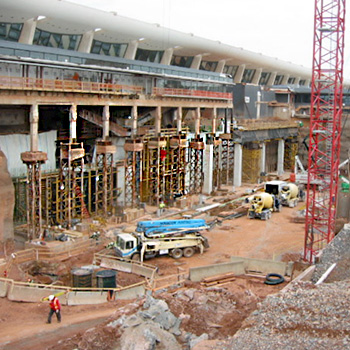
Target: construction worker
x=55 y=307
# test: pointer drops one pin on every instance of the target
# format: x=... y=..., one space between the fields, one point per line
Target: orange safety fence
x=192 y=93
x=66 y=85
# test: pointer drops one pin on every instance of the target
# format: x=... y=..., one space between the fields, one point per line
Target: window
x=248 y=75
x=10 y=31
x=55 y=40
x=278 y=80
x=108 y=49
x=182 y=61
x=291 y=80
x=148 y=55
x=264 y=79
x=208 y=66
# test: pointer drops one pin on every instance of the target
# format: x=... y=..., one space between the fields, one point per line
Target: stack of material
x=218 y=280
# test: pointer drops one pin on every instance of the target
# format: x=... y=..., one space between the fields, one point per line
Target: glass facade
x=149 y=56
x=230 y=70
x=182 y=61
x=191 y=85
x=59 y=41
x=264 y=78
x=10 y=31
x=108 y=49
x=208 y=66
x=248 y=75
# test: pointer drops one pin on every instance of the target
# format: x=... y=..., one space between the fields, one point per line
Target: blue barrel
x=106 y=279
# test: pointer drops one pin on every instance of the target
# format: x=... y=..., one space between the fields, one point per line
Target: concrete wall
x=264 y=266
x=86 y=297
x=127 y=267
x=198 y=273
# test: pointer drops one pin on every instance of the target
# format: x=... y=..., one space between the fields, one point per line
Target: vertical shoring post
x=33 y=161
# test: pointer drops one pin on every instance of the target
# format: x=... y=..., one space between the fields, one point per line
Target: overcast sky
x=276 y=28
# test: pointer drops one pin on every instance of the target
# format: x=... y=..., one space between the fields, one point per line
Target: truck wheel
x=188 y=252
x=176 y=253
x=136 y=257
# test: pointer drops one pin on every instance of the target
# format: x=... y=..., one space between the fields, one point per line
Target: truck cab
x=126 y=245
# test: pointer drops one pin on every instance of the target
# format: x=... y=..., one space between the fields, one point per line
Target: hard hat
x=51 y=297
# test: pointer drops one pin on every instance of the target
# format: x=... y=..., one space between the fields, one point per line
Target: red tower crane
x=325 y=125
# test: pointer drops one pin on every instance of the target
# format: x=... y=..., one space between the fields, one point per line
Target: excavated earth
x=242 y=314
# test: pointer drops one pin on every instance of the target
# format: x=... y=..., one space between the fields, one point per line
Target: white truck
x=176 y=238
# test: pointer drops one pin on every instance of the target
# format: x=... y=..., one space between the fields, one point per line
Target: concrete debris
x=336 y=252
x=305 y=316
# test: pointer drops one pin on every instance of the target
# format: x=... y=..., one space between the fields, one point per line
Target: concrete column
x=297 y=80
x=179 y=119
x=196 y=62
x=256 y=77
x=237 y=171
x=73 y=123
x=167 y=56
x=307 y=82
x=34 y=127
x=263 y=158
x=197 y=125
x=214 y=120
x=208 y=165
x=105 y=119
x=220 y=67
x=86 y=42
x=285 y=79
x=158 y=120
x=134 y=121
x=27 y=32
x=239 y=74
x=280 y=157
x=130 y=52
x=272 y=78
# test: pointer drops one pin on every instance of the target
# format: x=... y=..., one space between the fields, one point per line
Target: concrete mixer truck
x=289 y=195
x=262 y=205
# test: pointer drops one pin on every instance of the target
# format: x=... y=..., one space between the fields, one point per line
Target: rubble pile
x=338 y=251
x=303 y=317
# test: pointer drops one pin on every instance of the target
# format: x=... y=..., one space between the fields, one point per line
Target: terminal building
x=100 y=114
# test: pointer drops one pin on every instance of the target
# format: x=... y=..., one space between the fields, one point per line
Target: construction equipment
x=262 y=205
x=285 y=192
x=176 y=238
x=290 y=195
x=325 y=125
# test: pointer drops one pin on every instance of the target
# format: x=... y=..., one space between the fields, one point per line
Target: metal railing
x=192 y=93
x=15 y=83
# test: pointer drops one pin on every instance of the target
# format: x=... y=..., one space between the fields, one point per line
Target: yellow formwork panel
x=251 y=165
x=290 y=151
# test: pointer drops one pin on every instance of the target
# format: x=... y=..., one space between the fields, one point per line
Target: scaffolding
x=217 y=164
x=133 y=171
x=251 y=163
x=228 y=159
x=33 y=160
x=70 y=200
x=105 y=181
x=196 y=166
x=290 y=152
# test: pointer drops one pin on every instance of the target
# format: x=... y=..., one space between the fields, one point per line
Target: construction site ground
x=219 y=311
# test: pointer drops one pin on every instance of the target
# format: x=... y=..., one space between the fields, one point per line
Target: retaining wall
x=198 y=273
x=264 y=267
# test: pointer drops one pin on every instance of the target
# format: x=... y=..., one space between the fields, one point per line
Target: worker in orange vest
x=55 y=308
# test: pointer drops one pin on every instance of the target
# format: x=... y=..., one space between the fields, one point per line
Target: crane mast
x=325 y=125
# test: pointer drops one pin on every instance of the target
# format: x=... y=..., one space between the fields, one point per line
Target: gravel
x=305 y=316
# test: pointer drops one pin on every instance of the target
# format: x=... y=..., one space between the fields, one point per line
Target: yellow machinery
x=262 y=205
x=289 y=195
